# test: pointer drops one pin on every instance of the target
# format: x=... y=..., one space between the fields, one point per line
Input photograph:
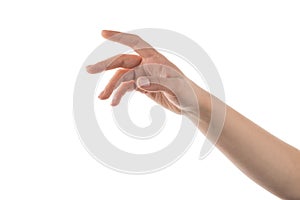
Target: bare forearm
x=264 y=158
x=270 y=162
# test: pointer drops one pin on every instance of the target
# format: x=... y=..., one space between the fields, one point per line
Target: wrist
x=202 y=112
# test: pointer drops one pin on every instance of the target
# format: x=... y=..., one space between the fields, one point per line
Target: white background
x=255 y=46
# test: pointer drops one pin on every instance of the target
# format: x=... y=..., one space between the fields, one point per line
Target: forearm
x=264 y=158
x=267 y=160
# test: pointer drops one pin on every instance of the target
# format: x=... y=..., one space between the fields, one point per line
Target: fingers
x=124 y=87
x=123 y=60
x=135 y=42
x=120 y=76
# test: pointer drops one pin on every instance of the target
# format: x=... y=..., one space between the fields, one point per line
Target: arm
x=264 y=158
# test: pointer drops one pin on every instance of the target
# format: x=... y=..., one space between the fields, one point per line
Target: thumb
x=155 y=84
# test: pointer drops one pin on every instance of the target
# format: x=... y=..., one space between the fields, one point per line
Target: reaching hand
x=248 y=146
x=149 y=72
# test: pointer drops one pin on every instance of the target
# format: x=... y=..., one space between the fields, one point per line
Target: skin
x=270 y=162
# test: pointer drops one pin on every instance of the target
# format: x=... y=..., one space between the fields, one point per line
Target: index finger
x=135 y=42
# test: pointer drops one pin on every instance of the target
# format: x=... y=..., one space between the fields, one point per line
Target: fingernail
x=143 y=81
x=89 y=69
x=101 y=95
x=114 y=101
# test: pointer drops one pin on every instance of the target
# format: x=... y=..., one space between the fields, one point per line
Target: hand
x=150 y=73
x=248 y=146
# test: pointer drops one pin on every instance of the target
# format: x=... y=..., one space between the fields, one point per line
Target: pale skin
x=270 y=162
